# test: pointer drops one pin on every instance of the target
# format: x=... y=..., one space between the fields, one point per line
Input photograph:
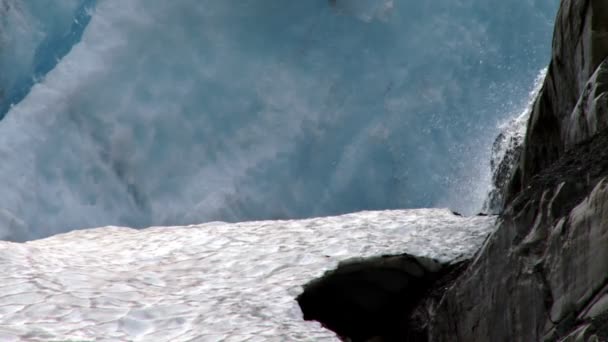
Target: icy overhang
x=211 y=282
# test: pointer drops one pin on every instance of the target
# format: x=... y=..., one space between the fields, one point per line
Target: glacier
x=34 y=36
x=140 y=113
x=150 y=113
x=210 y=282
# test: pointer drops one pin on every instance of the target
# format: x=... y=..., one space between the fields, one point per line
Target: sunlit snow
x=211 y=282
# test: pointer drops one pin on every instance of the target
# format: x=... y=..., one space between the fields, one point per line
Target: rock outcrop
x=543 y=275
x=376 y=298
x=580 y=45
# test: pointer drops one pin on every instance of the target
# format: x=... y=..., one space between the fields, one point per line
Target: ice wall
x=34 y=36
x=187 y=111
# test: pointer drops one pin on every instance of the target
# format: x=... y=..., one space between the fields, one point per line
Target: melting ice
x=186 y=111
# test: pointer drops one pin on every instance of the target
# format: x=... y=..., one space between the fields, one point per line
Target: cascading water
x=507 y=148
x=188 y=111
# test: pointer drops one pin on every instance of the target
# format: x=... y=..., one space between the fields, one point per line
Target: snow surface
x=211 y=282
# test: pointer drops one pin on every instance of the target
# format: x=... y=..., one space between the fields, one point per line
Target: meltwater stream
x=154 y=112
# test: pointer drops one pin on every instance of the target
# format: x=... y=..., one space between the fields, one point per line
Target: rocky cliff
x=543 y=275
x=570 y=107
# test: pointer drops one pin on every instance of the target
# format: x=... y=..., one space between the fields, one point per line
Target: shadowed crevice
x=375 y=299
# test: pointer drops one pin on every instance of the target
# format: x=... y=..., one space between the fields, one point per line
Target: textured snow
x=186 y=111
x=211 y=282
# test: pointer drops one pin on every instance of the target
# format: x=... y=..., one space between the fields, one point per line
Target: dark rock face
x=376 y=299
x=543 y=275
x=546 y=266
x=580 y=44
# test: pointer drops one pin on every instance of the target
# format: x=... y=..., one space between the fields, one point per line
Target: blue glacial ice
x=162 y=112
x=34 y=36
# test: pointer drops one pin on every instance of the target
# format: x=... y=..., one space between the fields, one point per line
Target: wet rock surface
x=507 y=149
x=543 y=275
x=546 y=266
